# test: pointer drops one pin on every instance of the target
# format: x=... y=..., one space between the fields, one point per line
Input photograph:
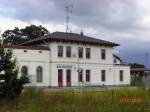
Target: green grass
x=107 y=100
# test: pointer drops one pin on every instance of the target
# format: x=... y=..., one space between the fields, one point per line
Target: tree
x=17 y=36
x=10 y=84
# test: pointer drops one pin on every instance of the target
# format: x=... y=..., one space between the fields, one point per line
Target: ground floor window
x=103 y=77
x=60 y=77
x=39 y=72
x=121 y=75
x=68 y=77
x=88 y=75
x=24 y=70
x=80 y=76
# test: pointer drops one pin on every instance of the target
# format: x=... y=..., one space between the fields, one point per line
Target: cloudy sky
x=126 y=22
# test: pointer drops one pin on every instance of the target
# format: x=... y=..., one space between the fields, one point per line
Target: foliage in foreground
x=10 y=84
x=35 y=100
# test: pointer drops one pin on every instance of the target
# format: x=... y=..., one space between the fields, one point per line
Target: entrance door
x=60 y=78
x=68 y=78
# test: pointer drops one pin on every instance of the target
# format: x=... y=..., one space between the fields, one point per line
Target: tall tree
x=10 y=83
x=17 y=36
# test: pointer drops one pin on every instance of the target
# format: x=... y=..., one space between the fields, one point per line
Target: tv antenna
x=68 y=10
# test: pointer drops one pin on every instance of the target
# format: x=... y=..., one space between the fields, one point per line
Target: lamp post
x=114 y=74
x=78 y=65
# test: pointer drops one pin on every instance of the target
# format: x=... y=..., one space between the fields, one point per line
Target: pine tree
x=11 y=84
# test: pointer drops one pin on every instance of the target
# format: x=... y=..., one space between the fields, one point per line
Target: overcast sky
x=126 y=22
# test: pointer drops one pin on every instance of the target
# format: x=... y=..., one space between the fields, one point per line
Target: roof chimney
x=81 y=33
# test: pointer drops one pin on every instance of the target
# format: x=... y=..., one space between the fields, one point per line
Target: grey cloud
x=134 y=50
x=117 y=14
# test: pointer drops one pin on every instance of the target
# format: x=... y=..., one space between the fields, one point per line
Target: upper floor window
x=24 y=70
x=60 y=51
x=88 y=75
x=88 y=54
x=103 y=77
x=39 y=73
x=68 y=51
x=103 y=54
x=25 y=50
x=121 y=75
x=40 y=51
x=115 y=61
x=80 y=52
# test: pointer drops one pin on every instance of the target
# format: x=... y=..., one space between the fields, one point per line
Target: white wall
x=32 y=59
x=49 y=60
x=126 y=74
x=95 y=53
x=112 y=74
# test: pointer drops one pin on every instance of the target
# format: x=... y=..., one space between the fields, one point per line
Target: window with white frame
x=88 y=75
x=39 y=72
x=103 y=75
x=80 y=52
x=88 y=53
x=60 y=51
x=121 y=75
x=68 y=51
x=103 y=54
x=24 y=70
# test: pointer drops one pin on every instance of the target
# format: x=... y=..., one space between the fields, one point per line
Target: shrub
x=10 y=84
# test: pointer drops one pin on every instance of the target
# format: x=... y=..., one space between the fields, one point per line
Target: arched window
x=39 y=73
x=24 y=70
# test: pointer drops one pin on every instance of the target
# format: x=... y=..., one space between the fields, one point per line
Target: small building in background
x=140 y=76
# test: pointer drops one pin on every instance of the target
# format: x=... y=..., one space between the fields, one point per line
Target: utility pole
x=68 y=10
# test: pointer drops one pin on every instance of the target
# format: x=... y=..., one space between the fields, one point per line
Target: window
x=121 y=75
x=68 y=77
x=60 y=51
x=68 y=51
x=115 y=61
x=40 y=51
x=80 y=52
x=24 y=70
x=25 y=50
x=103 y=78
x=80 y=77
x=88 y=54
x=103 y=54
x=60 y=77
x=39 y=73
x=87 y=75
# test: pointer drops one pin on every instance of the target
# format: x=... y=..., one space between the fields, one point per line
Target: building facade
x=68 y=59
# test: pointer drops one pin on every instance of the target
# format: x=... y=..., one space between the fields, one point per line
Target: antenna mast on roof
x=68 y=9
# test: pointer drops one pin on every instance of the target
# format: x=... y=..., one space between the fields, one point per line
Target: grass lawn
x=107 y=100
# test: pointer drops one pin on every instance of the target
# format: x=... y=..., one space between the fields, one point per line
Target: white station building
x=68 y=59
